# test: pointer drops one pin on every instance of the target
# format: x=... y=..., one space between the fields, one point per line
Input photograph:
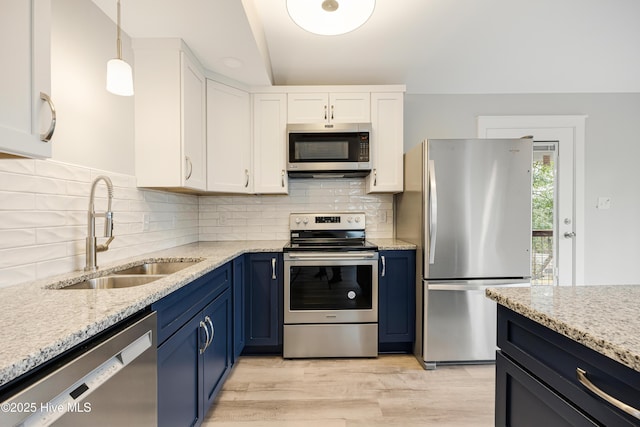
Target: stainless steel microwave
x=320 y=151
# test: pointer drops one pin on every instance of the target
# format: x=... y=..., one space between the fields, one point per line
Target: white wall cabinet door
x=349 y=107
x=170 y=116
x=386 y=143
x=229 y=168
x=194 y=124
x=25 y=45
x=269 y=143
x=327 y=108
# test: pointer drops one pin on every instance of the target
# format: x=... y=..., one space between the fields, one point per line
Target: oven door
x=325 y=287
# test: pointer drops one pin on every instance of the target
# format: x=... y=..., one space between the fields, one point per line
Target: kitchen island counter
x=603 y=318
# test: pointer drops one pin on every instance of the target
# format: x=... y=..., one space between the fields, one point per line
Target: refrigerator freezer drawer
x=460 y=323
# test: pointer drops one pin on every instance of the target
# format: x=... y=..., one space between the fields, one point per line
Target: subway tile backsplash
x=266 y=217
x=43 y=216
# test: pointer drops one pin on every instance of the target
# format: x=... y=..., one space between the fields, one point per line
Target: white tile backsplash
x=43 y=214
x=267 y=217
x=43 y=218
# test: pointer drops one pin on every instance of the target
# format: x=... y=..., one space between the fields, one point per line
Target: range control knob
x=305 y=220
x=351 y=294
x=349 y=219
x=298 y=220
x=357 y=219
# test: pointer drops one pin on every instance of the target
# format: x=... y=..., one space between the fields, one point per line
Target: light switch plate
x=604 y=203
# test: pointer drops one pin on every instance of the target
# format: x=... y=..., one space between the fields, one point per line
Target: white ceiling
x=432 y=46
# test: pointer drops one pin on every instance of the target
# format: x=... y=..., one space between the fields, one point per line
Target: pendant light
x=330 y=17
x=119 y=74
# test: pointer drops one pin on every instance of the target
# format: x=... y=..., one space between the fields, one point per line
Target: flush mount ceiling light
x=330 y=17
x=119 y=74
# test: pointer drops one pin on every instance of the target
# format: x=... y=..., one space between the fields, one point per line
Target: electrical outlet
x=604 y=202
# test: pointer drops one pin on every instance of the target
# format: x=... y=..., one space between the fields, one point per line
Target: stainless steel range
x=330 y=287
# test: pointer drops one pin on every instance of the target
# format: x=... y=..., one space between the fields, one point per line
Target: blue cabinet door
x=238 y=299
x=179 y=373
x=263 y=309
x=216 y=358
x=396 y=300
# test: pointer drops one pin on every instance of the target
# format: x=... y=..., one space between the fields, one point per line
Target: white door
x=567 y=133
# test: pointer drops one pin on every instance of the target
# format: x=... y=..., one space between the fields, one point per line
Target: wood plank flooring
x=390 y=391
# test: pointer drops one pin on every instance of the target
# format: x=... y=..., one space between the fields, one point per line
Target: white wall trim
x=576 y=123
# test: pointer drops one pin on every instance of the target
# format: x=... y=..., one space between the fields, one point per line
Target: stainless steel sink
x=160 y=267
x=114 y=282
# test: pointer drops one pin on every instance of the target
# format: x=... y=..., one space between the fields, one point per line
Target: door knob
x=569 y=235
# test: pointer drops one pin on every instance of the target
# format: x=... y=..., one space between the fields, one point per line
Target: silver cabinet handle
x=189 y=167
x=213 y=331
x=325 y=112
x=282 y=178
x=582 y=377
x=569 y=235
x=46 y=137
x=384 y=266
x=433 y=211
x=246 y=174
x=273 y=269
x=375 y=177
x=332 y=112
x=206 y=331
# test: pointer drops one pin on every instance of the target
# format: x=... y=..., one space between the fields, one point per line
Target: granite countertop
x=603 y=318
x=39 y=323
x=392 y=244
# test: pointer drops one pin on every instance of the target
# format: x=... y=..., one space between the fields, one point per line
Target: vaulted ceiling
x=432 y=46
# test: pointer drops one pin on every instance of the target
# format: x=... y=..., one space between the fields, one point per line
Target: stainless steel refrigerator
x=467 y=207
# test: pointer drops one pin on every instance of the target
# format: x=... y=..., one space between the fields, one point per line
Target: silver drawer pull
x=582 y=377
x=384 y=266
x=273 y=269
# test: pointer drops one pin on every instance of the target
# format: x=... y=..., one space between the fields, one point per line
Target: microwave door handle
x=433 y=212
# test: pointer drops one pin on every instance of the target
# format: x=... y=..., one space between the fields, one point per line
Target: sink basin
x=114 y=282
x=157 y=268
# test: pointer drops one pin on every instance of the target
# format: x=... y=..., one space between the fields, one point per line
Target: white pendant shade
x=330 y=17
x=119 y=77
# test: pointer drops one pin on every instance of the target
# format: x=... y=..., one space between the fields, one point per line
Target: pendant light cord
x=118 y=41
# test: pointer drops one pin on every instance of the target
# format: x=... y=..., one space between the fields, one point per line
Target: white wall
x=612 y=154
x=95 y=128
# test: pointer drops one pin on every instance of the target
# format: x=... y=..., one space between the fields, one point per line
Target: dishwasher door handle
x=49 y=412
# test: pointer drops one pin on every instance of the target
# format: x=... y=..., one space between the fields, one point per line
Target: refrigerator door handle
x=433 y=212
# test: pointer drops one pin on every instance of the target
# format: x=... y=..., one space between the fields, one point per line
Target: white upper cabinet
x=269 y=143
x=229 y=168
x=327 y=108
x=170 y=116
x=27 y=116
x=387 y=122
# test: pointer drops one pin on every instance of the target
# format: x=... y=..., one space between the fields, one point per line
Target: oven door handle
x=337 y=255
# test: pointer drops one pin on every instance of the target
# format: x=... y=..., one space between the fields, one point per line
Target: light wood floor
x=390 y=391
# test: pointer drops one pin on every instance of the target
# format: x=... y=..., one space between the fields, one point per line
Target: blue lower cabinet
x=238 y=297
x=194 y=361
x=179 y=374
x=263 y=303
x=396 y=301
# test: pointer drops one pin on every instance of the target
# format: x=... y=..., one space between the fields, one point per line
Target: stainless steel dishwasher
x=113 y=382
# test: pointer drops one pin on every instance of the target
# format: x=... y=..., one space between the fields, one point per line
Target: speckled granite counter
x=39 y=323
x=392 y=244
x=603 y=318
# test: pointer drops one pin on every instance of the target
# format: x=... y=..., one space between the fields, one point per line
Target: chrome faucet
x=92 y=248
